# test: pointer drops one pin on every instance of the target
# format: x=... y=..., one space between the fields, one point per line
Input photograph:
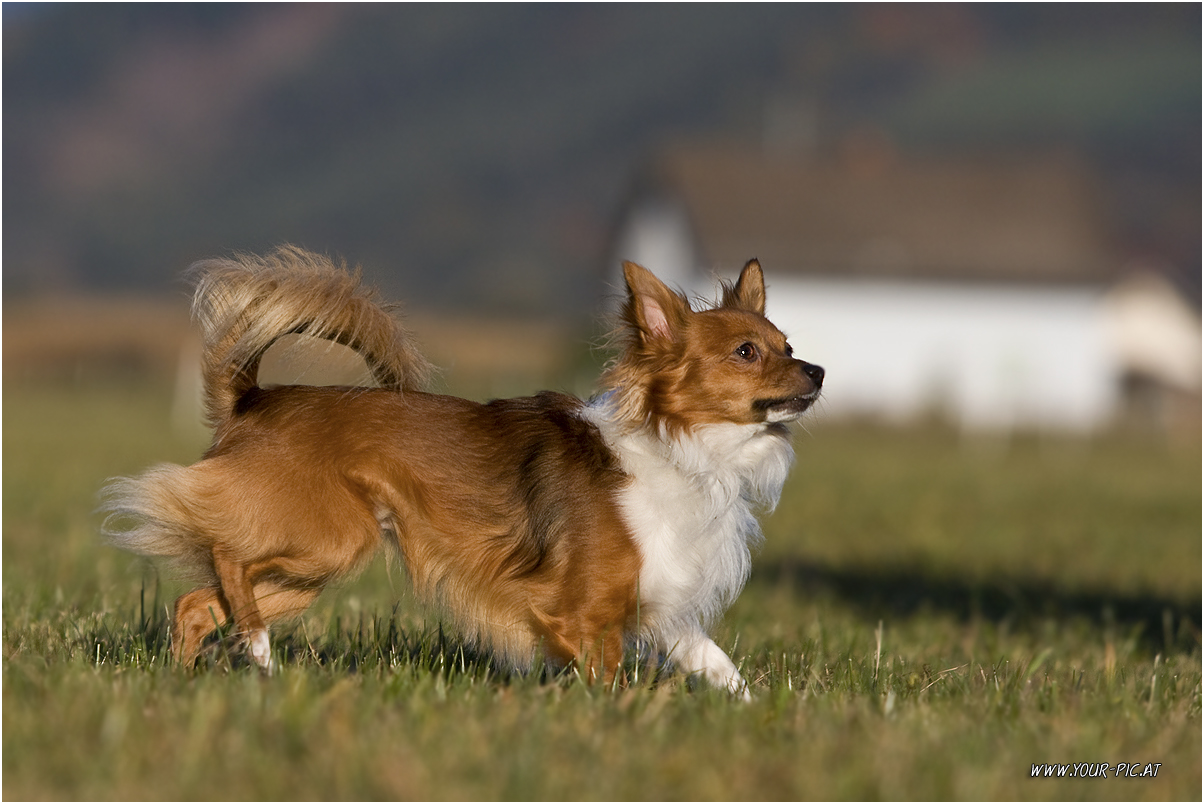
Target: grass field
x=930 y=618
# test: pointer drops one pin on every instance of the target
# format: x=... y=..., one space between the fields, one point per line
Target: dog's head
x=727 y=364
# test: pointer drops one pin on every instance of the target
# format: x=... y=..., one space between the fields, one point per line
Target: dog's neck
x=728 y=461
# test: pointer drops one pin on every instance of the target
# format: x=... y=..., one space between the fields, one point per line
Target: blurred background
x=988 y=214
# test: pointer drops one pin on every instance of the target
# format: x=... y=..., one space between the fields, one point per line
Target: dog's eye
x=746 y=351
x=789 y=350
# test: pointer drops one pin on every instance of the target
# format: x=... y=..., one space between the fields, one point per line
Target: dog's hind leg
x=278 y=602
x=202 y=610
x=196 y=615
x=240 y=596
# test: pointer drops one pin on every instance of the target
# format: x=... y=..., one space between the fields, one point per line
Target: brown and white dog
x=544 y=523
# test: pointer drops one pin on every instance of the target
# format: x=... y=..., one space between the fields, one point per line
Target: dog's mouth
x=786 y=409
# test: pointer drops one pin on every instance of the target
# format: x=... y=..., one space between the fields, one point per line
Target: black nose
x=816 y=373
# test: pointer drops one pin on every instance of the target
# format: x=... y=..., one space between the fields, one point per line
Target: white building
x=987 y=292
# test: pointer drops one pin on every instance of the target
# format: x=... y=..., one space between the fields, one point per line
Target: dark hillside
x=475 y=155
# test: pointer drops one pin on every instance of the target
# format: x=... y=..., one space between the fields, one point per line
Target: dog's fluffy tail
x=243 y=306
x=247 y=303
x=159 y=514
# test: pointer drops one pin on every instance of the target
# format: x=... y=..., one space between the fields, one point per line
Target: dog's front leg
x=697 y=654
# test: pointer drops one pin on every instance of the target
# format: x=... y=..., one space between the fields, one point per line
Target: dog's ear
x=749 y=290
x=653 y=309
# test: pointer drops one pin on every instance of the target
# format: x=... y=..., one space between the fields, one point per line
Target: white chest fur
x=690 y=506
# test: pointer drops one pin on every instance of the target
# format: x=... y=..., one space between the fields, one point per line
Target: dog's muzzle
x=790 y=408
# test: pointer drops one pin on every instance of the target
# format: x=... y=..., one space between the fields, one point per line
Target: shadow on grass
x=1159 y=624
x=362 y=644
x=1155 y=623
x=376 y=641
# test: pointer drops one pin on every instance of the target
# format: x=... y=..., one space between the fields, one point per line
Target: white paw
x=732 y=681
x=735 y=684
x=261 y=650
x=701 y=656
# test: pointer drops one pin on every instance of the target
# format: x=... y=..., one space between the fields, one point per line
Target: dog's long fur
x=538 y=524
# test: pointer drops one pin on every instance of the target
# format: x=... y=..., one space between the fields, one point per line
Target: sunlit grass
x=929 y=618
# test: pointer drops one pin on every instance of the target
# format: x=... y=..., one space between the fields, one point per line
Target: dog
x=544 y=525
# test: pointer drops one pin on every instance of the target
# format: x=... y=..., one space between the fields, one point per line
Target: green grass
x=929 y=618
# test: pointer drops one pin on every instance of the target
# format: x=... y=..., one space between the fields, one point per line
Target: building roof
x=876 y=215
